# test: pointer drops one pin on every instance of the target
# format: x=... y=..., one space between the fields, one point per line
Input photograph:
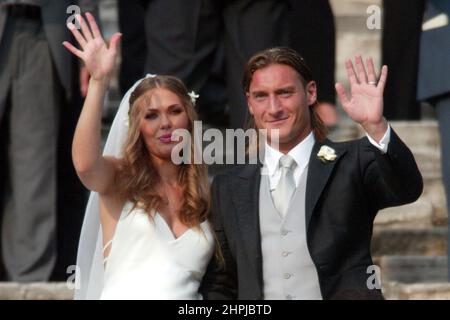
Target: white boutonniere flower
x=193 y=96
x=326 y=154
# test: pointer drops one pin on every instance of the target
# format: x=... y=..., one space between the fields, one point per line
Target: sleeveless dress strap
x=107 y=245
x=105 y=259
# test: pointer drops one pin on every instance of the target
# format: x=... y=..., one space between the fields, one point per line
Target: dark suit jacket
x=434 y=62
x=342 y=199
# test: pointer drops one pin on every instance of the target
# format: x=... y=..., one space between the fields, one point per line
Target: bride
x=145 y=233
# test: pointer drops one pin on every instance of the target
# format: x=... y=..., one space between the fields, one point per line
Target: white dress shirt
x=301 y=154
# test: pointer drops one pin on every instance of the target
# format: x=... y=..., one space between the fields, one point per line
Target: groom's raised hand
x=365 y=104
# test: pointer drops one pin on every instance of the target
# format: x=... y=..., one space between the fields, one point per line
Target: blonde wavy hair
x=137 y=177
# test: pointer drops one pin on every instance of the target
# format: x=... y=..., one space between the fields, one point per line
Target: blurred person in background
x=38 y=101
x=203 y=41
x=434 y=77
x=313 y=34
x=402 y=21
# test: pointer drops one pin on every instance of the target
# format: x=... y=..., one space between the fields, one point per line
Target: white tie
x=286 y=186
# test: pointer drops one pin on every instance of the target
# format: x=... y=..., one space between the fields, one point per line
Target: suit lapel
x=318 y=175
x=245 y=197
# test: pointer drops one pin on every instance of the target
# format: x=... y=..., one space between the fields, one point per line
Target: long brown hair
x=137 y=177
x=289 y=57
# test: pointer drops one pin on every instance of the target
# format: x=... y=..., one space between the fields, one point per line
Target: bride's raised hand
x=98 y=58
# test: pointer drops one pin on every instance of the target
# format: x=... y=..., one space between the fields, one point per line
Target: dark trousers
x=183 y=36
x=134 y=49
x=30 y=95
x=313 y=35
x=442 y=106
x=402 y=27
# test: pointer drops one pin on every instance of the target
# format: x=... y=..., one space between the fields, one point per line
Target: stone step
x=351 y=43
x=424 y=133
x=417 y=291
x=35 y=291
x=416 y=134
x=423 y=242
x=58 y=291
x=429 y=162
x=417 y=215
x=422 y=137
x=352 y=35
x=413 y=269
x=352 y=8
x=434 y=193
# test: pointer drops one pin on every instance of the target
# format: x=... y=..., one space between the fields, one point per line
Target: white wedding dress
x=146 y=261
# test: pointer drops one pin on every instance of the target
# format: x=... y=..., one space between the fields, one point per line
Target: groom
x=301 y=228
